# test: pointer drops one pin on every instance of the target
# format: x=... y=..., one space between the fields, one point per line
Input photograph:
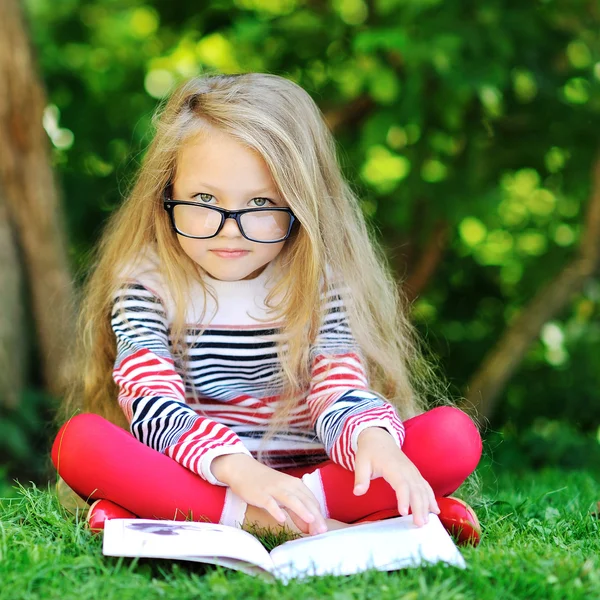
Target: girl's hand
x=378 y=455
x=261 y=486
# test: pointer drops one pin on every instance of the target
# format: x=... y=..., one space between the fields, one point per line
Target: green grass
x=540 y=541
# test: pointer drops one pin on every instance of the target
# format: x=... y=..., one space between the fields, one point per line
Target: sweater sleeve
x=152 y=393
x=340 y=402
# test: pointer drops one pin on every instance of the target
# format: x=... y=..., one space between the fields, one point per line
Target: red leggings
x=100 y=460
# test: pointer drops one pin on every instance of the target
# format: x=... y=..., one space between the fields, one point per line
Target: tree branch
x=485 y=387
x=427 y=263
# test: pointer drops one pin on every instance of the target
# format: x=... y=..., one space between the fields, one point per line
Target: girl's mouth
x=230 y=252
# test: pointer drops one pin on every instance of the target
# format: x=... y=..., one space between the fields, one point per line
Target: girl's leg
x=444 y=445
x=100 y=460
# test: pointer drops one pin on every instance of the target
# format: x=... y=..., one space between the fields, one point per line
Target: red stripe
x=332 y=377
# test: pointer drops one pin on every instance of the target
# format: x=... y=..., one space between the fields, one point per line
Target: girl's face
x=217 y=170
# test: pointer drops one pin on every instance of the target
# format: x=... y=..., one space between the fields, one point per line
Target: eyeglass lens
x=262 y=225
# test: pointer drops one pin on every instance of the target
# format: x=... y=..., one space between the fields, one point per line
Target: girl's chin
x=232 y=274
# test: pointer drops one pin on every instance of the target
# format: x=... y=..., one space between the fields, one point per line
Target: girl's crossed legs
x=100 y=460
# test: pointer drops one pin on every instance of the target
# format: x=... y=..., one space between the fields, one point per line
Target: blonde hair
x=280 y=121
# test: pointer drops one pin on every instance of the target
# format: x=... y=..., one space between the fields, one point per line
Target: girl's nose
x=230 y=228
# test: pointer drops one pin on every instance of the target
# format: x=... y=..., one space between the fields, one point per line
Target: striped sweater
x=221 y=399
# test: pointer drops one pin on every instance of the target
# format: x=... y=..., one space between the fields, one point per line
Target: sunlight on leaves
x=524 y=85
x=556 y=356
x=396 y=137
x=495 y=249
x=184 y=59
x=423 y=310
x=445 y=143
x=433 y=171
x=384 y=86
x=568 y=206
x=349 y=79
x=317 y=73
x=579 y=54
x=472 y=231
x=144 y=22
x=92 y=15
x=564 y=235
x=94 y=165
x=272 y=7
x=369 y=207
x=61 y=137
x=541 y=202
x=532 y=243
x=413 y=133
x=216 y=51
x=511 y=272
x=522 y=182
x=577 y=90
x=553 y=338
x=75 y=55
x=352 y=12
x=384 y=169
x=555 y=159
x=585 y=310
x=513 y=212
x=491 y=98
x=552 y=335
x=385 y=39
x=158 y=82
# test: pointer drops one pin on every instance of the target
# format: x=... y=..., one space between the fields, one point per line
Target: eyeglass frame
x=169 y=204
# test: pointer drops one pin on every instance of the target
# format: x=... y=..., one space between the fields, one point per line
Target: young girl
x=243 y=322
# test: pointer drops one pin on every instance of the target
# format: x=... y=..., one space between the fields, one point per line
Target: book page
x=383 y=545
x=185 y=540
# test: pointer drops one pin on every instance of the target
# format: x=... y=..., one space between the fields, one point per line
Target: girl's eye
x=260 y=202
x=204 y=197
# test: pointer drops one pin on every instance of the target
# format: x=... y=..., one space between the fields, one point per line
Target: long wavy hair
x=279 y=120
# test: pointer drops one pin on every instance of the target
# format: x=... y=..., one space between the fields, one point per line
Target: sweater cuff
x=210 y=455
x=344 y=449
x=384 y=424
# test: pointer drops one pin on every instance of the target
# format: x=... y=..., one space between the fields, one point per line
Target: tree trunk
x=31 y=197
x=13 y=341
x=426 y=265
x=349 y=114
x=502 y=361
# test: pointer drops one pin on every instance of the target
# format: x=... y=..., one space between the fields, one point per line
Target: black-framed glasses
x=201 y=222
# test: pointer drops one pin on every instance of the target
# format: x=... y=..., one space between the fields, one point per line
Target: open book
x=383 y=545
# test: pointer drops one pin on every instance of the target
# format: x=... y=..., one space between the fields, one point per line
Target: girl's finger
x=401 y=487
x=302 y=526
x=403 y=497
x=318 y=525
x=433 y=505
x=362 y=476
x=303 y=494
x=420 y=506
x=309 y=514
x=273 y=508
x=425 y=508
x=298 y=522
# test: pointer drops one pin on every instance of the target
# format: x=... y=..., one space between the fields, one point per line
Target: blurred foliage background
x=469 y=128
